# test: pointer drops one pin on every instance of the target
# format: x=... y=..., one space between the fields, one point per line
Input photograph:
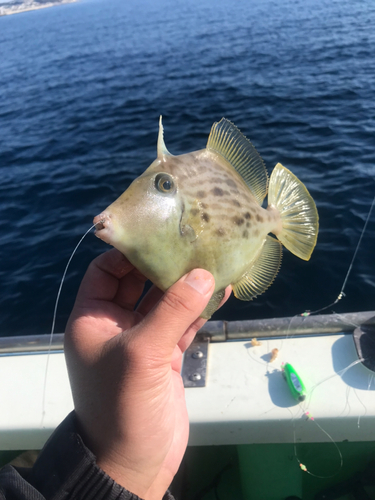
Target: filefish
x=204 y=210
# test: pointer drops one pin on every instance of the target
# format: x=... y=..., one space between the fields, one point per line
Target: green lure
x=294 y=382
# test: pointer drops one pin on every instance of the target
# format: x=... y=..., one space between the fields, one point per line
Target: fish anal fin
x=262 y=273
x=227 y=140
x=213 y=304
x=299 y=216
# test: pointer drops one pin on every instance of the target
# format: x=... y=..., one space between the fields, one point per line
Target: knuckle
x=175 y=302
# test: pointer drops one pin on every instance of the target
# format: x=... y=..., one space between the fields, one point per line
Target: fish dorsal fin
x=262 y=273
x=161 y=148
x=229 y=142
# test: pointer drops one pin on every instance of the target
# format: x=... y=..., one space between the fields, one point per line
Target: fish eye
x=164 y=183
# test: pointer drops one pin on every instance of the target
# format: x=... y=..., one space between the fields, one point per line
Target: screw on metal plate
x=195 y=363
x=197 y=354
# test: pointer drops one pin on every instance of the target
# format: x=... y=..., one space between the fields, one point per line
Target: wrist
x=66 y=466
x=148 y=485
x=125 y=477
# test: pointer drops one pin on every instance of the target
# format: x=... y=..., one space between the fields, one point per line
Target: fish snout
x=103 y=226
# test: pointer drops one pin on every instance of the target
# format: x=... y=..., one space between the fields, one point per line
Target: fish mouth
x=103 y=226
x=99 y=225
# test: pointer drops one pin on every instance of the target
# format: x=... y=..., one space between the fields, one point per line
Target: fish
x=204 y=210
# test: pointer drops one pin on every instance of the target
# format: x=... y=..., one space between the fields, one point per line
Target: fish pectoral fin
x=213 y=304
x=192 y=221
x=229 y=142
x=188 y=232
x=299 y=216
x=262 y=273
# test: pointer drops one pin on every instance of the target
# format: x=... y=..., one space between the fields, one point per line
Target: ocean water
x=82 y=86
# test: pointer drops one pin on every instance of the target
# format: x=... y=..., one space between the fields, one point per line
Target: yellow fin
x=299 y=216
x=262 y=273
x=229 y=142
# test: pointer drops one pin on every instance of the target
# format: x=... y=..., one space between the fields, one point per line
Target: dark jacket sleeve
x=64 y=470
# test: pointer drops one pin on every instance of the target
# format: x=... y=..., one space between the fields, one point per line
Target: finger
x=190 y=333
x=101 y=281
x=188 y=337
x=184 y=343
x=176 y=360
x=130 y=288
x=176 y=311
x=227 y=294
x=151 y=298
x=111 y=277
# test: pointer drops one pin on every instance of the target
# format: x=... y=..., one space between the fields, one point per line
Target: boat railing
x=220 y=331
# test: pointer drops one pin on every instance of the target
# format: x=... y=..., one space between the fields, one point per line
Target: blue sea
x=82 y=86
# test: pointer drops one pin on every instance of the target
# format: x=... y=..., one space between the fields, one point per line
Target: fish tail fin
x=299 y=216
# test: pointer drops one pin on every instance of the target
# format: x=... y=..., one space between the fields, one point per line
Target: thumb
x=176 y=311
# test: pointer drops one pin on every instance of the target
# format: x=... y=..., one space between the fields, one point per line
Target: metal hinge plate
x=195 y=363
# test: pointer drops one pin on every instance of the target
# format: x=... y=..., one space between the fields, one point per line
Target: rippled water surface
x=81 y=89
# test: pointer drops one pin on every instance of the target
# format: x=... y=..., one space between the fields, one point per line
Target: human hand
x=124 y=366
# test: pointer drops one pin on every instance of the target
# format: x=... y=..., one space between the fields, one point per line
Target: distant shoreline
x=25 y=7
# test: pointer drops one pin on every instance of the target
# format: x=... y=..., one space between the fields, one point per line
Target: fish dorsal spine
x=161 y=147
x=227 y=140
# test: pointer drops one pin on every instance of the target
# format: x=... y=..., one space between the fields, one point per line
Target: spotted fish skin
x=203 y=210
x=221 y=221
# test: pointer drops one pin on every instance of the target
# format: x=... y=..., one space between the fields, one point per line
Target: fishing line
x=345 y=320
x=302 y=465
x=364 y=406
x=303 y=407
x=370 y=381
x=305 y=413
x=340 y=373
x=346 y=410
x=54 y=318
x=298 y=391
x=342 y=294
x=306 y=403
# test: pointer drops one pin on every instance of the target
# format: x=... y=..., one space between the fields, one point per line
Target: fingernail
x=198 y=281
